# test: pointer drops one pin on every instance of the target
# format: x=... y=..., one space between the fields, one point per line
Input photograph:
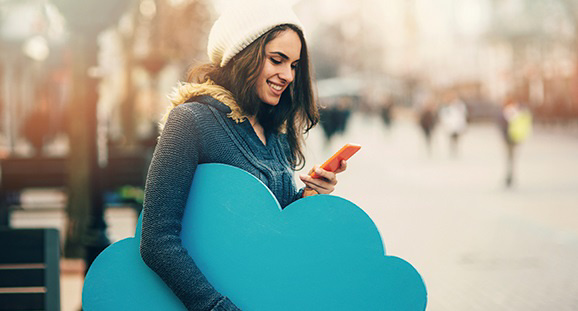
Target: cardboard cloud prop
x=319 y=253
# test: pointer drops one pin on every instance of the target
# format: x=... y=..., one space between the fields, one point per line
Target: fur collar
x=185 y=90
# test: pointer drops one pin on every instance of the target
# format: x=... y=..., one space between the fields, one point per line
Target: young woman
x=248 y=108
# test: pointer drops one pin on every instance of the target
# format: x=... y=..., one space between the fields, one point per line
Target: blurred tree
x=86 y=235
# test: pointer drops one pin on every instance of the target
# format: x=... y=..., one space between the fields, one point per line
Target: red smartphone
x=334 y=162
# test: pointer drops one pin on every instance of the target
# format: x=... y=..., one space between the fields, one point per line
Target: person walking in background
x=334 y=117
x=386 y=111
x=248 y=108
x=427 y=118
x=515 y=125
x=454 y=119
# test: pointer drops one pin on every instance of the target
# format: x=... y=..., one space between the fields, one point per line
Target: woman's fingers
x=327 y=181
x=342 y=167
x=315 y=183
x=318 y=184
x=326 y=176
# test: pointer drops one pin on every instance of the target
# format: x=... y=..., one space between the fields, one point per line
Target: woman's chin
x=271 y=101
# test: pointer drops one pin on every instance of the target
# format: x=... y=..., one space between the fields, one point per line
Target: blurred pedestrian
x=327 y=116
x=343 y=113
x=515 y=125
x=386 y=111
x=454 y=119
x=428 y=117
x=248 y=108
x=335 y=116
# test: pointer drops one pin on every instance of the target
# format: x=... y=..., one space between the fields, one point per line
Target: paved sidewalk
x=478 y=245
x=71 y=279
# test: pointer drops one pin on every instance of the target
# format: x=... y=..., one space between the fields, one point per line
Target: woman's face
x=281 y=58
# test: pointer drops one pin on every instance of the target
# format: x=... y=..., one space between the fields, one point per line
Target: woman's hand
x=325 y=184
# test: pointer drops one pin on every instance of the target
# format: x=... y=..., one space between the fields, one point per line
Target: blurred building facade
x=484 y=49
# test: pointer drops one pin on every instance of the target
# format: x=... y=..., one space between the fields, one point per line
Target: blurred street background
x=467 y=113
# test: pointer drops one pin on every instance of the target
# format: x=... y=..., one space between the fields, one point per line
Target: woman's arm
x=167 y=187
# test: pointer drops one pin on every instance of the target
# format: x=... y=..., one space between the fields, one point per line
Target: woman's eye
x=293 y=66
x=276 y=62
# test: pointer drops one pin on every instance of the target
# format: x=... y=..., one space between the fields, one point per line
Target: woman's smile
x=276 y=88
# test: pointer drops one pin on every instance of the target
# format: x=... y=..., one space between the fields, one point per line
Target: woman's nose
x=287 y=73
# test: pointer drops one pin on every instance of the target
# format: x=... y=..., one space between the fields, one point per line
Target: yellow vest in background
x=520 y=126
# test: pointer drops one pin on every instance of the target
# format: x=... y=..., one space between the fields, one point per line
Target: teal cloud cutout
x=319 y=253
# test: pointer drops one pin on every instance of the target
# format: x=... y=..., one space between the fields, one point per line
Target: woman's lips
x=276 y=88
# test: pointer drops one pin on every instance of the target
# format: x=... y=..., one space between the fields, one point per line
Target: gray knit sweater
x=200 y=132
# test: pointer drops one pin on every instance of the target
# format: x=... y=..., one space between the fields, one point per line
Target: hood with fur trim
x=185 y=90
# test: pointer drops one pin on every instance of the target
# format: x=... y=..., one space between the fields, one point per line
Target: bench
x=29 y=269
x=18 y=174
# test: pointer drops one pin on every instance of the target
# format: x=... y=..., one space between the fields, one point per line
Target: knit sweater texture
x=197 y=132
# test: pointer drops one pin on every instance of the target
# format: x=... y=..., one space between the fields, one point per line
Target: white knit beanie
x=242 y=23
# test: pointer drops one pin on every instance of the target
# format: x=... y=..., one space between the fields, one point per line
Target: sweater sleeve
x=298 y=195
x=167 y=187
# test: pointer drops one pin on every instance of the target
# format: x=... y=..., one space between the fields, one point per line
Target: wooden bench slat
x=21 y=246
x=22 y=277
x=22 y=301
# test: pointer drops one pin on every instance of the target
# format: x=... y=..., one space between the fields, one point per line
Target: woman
x=248 y=108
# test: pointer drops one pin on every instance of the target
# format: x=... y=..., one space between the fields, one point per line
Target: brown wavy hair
x=297 y=110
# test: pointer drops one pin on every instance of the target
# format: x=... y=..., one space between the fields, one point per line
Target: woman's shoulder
x=190 y=114
x=202 y=105
x=191 y=107
x=191 y=110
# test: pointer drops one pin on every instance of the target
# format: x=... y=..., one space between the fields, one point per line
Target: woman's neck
x=258 y=129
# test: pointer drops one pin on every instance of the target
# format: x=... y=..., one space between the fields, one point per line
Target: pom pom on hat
x=244 y=22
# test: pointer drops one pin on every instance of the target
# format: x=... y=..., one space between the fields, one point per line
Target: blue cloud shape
x=319 y=253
